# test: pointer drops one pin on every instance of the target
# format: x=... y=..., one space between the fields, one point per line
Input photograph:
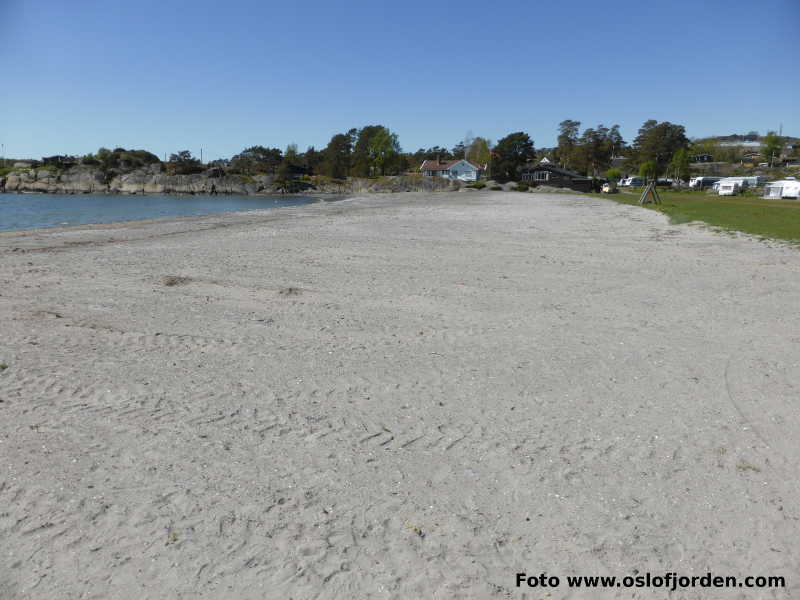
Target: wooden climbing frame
x=650 y=191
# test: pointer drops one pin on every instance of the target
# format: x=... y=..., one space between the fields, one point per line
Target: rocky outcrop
x=149 y=180
x=152 y=180
x=83 y=180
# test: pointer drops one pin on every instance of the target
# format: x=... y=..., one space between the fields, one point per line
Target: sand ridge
x=396 y=396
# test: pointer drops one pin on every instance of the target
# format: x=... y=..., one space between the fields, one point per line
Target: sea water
x=29 y=211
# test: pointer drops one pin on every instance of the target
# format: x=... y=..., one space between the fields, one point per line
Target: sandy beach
x=397 y=396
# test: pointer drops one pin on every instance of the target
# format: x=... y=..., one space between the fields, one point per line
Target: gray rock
x=86 y=179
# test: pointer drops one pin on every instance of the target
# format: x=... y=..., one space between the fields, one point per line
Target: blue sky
x=169 y=75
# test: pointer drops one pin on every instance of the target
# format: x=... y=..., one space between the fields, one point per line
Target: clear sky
x=169 y=75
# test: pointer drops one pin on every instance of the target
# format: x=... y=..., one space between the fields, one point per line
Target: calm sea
x=27 y=211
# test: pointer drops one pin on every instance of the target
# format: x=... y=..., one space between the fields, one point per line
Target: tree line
x=659 y=149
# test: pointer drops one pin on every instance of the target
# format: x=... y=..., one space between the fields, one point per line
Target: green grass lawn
x=778 y=219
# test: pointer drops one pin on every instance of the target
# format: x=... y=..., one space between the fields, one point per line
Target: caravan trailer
x=728 y=188
x=742 y=182
x=784 y=188
x=700 y=183
x=632 y=182
x=755 y=181
x=791 y=188
x=773 y=190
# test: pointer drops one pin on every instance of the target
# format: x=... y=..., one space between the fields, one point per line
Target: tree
x=256 y=159
x=459 y=150
x=679 y=165
x=433 y=153
x=647 y=170
x=183 y=163
x=127 y=160
x=616 y=140
x=290 y=157
x=593 y=153
x=511 y=153
x=106 y=158
x=647 y=126
x=479 y=151
x=614 y=173
x=772 y=147
x=567 y=140
x=658 y=142
x=284 y=178
x=383 y=149
x=337 y=156
x=376 y=149
x=312 y=158
x=362 y=164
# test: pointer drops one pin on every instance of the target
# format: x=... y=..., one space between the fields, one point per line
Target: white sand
x=397 y=396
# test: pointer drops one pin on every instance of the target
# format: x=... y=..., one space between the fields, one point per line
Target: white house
x=462 y=169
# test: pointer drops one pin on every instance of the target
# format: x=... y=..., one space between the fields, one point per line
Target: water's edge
x=25 y=211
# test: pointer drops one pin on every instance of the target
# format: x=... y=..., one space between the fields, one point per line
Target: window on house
x=541 y=175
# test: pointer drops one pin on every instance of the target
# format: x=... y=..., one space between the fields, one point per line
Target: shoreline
x=313 y=199
x=316 y=199
x=172 y=225
x=189 y=194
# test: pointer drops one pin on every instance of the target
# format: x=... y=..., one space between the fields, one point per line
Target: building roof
x=444 y=165
x=553 y=169
x=741 y=144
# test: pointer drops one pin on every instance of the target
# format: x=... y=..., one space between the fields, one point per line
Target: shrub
x=647 y=170
x=522 y=186
x=291 y=186
x=183 y=163
x=478 y=185
x=326 y=180
x=497 y=188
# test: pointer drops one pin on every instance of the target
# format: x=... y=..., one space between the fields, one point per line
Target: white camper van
x=729 y=188
x=742 y=182
x=791 y=188
x=755 y=181
x=784 y=188
x=700 y=183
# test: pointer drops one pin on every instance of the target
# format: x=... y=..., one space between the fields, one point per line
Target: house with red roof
x=461 y=169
